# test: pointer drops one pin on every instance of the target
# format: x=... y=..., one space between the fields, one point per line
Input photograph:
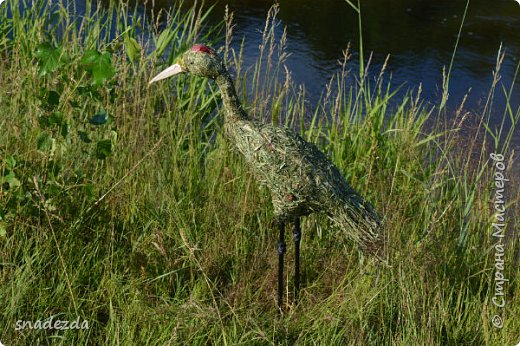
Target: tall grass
x=124 y=205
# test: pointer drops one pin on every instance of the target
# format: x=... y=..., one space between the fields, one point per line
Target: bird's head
x=200 y=60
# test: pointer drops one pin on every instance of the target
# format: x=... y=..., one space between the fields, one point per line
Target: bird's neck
x=232 y=107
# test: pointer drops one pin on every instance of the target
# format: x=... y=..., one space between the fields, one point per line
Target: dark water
x=419 y=35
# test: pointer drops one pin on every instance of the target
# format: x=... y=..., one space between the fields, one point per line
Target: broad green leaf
x=44 y=141
x=52 y=99
x=84 y=137
x=64 y=129
x=99 y=65
x=88 y=190
x=132 y=47
x=10 y=161
x=49 y=58
x=56 y=118
x=103 y=149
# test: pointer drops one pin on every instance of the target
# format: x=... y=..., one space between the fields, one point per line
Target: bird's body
x=300 y=177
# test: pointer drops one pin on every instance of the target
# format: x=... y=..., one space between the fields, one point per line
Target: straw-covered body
x=301 y=179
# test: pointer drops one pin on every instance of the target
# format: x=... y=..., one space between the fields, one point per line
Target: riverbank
x=123 y=205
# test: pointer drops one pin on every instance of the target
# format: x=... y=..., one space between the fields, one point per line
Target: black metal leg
x=297 y=236
x=281 y=251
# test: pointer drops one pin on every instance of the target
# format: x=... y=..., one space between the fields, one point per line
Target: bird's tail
x=361 y=222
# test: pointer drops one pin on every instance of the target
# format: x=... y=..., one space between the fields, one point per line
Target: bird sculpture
x=299 y=176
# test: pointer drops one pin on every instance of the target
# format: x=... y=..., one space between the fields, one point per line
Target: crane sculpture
x=300 y=177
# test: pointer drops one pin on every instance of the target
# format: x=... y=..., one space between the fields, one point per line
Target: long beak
x=170 y=71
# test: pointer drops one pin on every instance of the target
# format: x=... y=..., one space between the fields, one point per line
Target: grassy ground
x=122 y=205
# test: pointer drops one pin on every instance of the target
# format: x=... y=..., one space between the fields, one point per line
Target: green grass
x=124 y=205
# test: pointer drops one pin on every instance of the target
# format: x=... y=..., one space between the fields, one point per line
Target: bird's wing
x=300 y=177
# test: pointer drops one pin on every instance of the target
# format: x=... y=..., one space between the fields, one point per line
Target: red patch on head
x=202 y=48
